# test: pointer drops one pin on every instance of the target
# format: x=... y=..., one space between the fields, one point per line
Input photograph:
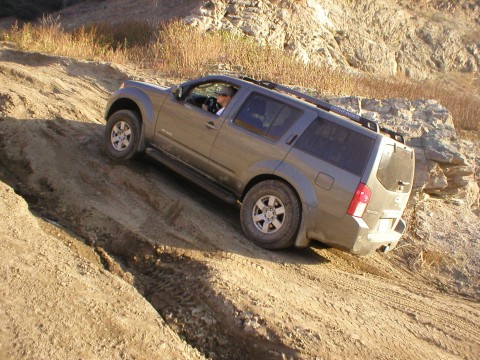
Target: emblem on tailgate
x=397 y=202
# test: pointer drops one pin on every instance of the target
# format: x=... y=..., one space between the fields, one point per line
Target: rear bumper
x=352 y=234
x=368 y=242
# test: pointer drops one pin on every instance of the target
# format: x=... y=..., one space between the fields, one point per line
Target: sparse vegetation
x=426 y=259
x=49 y=37
x=184 y=52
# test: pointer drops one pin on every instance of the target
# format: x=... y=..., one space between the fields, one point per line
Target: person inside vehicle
x=224 y=96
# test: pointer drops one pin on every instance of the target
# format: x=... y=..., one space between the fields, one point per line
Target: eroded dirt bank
x=178 y=251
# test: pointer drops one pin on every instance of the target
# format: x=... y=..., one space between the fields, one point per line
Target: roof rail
x=324 y=105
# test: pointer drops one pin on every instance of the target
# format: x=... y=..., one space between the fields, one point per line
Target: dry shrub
x=180 y=50
x=430 y=259
x=126 y=34
x=420 y=257
x=184 y=51
x=50 y=37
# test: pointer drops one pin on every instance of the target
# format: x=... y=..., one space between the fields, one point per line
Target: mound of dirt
x=58 y=301
x=131 y=261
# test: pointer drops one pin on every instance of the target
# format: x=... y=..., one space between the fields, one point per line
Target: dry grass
x=184 y=52
x=126 y=34
x=421 y=257
x=49 y=37
x=430 y=259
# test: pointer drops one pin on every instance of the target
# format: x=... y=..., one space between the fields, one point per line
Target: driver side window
x=205 y=96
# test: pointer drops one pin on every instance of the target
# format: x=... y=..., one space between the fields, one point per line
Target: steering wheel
x=212 y=105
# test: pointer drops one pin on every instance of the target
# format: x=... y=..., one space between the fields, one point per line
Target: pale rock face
x=319 y=13
x=442 y=166
x=386 y=38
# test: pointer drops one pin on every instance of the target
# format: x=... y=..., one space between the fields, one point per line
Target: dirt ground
x=130 y=261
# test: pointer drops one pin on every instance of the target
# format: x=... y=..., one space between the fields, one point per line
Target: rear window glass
x=395 y=171
x=267 y=117
x=337 y=145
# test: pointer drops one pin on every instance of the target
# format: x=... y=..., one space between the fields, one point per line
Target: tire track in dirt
x=402 y=282
x=207 y=320
x=403 y=301
x=413 y=313
x=422 y=313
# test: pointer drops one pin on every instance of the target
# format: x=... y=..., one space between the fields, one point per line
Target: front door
x=186 y=130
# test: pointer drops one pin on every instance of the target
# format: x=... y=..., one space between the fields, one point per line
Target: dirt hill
x=188 y=283
x=109 y=261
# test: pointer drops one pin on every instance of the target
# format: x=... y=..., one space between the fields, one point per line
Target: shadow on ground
x=145 y=220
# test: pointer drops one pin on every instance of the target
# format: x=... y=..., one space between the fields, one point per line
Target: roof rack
x=324 y=105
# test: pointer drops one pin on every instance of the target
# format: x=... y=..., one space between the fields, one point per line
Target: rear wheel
x=122 y=135
x=271 y=214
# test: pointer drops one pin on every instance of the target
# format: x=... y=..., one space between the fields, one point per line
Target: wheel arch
x=137 y=101
x=123 y=104
x=262 y=177
x=132 y=98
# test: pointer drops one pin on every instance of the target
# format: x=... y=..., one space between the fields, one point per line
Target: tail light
x=359 y=201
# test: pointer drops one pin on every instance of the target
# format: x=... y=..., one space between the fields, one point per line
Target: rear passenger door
x=256 y=138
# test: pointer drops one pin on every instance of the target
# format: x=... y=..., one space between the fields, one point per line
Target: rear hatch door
x=390 y=183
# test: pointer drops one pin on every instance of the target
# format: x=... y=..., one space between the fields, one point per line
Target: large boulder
x=444 y=167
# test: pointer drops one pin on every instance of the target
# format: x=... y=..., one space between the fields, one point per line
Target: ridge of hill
x=420 y=40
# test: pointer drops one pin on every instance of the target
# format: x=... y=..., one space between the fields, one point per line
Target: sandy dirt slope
x=58 y=301
x=180 y=249
x=154 y=11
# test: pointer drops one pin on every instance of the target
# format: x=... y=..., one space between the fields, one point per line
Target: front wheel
x=271 y=214
x=122 y=135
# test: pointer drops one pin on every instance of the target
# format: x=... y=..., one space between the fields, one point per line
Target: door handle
x=211 y=125
x=291 y=139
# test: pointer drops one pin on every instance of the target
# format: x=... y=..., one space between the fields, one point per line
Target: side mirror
x=178 y=92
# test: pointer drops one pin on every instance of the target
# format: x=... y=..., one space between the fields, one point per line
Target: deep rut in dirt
x=175 y=283
x=179 y=288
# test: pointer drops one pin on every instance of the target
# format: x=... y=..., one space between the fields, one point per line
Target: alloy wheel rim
x=268 y=214
x=121 y=136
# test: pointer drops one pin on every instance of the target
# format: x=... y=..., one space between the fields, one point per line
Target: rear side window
x=336 y=145
x=267 y=117
x=395 y=171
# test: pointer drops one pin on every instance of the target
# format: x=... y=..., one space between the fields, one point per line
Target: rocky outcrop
x=445 y=166
x=388 y=38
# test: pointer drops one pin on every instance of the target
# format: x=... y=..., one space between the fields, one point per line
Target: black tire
x=271 y=214
x=122 y=135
